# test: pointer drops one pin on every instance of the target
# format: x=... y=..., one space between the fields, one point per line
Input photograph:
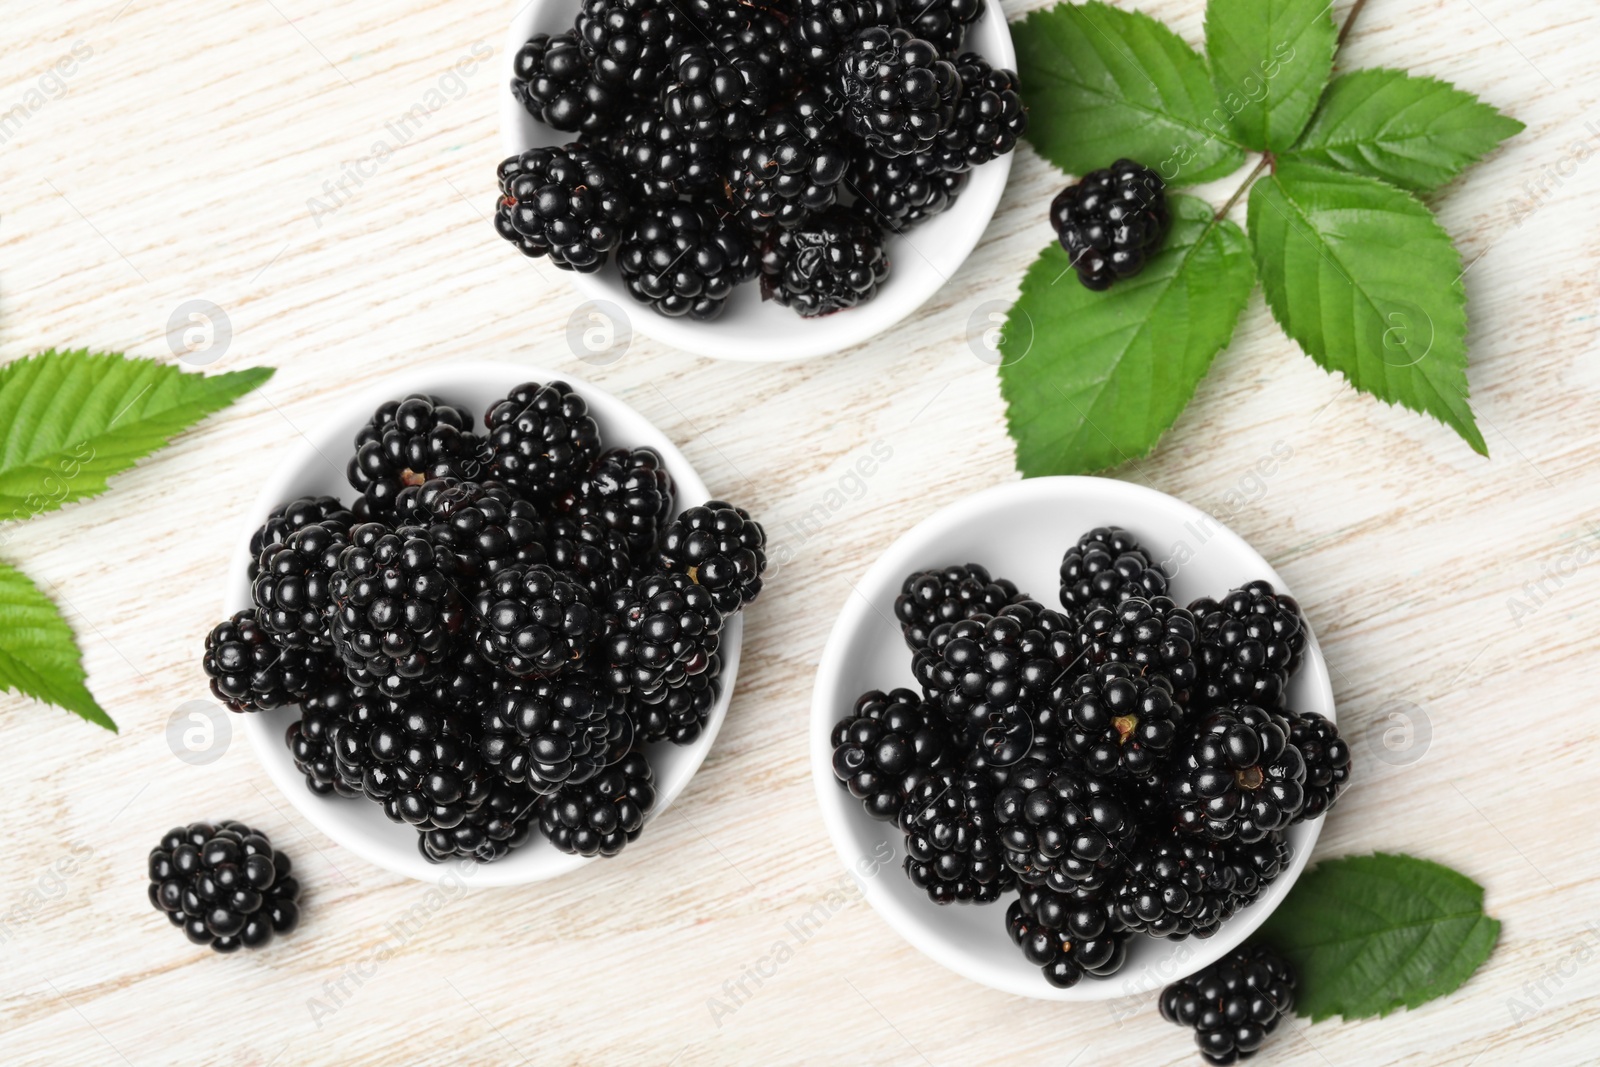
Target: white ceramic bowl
x=1019 y=531
x=750 y=329
x=316 y=467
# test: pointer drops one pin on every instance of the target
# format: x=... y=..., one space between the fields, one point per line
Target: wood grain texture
x=176 y=163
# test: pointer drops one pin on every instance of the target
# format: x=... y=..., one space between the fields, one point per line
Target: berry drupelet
x=887 y=746
x=224 y=885
x=834 y=261
x=949 y=594
x=684 y=259
x=600 y=816
x=942 y=22
x=899 y=92
x=1106 y=566
x=1237 y=776
x=721 y=549
x=567 y=204
x=1234 y=1004
x=1111 y=222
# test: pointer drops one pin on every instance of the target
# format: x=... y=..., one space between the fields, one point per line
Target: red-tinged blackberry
x=989 y=117
x=901 y=191
x=600 y=816
x=1063 y=826
x=822 y=28
x=630 y=492
x=1251 y=642
x=408 y=441
x=887 y=746
x=224 y=884
x=899 y=92
x=310 y=739
x=833 y=261
x=1255 y=865
x=1173 y=886
x=1065 y=958
x=532 y=621
x=595 y=556
x=1327 y=759
x=948 y=594
x=953 y=850
x=791 y=167
x=502 y=824
x=630 y=41
x=422 y=764
x=721 y=548
x=552 y=78
x=717 y=89
x=1156 y=637
x=676 y=715
x=542 y=440
x=1111 y=222
x=942 y=22
x=659 y=633
x=297 y=513
x=662 y=160
x=569 y=204
x=397 y=612
x=477 y=525
x=550 y=732
x=1119 y=722
x=1106 y=567
x=684 y=259
x=250 y=672
x=1233 y=1004
x=1237 y=776
x=292 y=590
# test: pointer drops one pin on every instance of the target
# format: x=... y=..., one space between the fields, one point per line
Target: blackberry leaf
x=1269 y=62
x=38 y=655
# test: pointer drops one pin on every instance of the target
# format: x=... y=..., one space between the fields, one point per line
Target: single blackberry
x=299 y=512
x=953 y=850
x=422 y=765
x=554 y=731
x=224 y=885
x=627 y=491
x=612 y=142
x=600 y=816
x=590 y=554
x=533 y=621
x=478 y=526
x=1111 y=222
x=1063 y=956
x=899 y=93
x=1233 y=1004
x=292 y=590
x=1155 y=637
x=717 y=89
x=759 y=30
x=630 y=41
x=941 y=22
x=566 y=203
x=676 y=715
x=790 y=168
x=1251 y=642
x=1063 y=826
x=1119 y=722
x=989 y=116
x=662 y=160
x=396 y=610
x=542 y=440
x=948 y=594
x=682 y=259
x=721 y=549
x=834 y=261
x=1237 y=776
x=553 y=80
x=408 y=441
x=660 y=632
x=1327 y=759
x=463 y=680
x=1174 y=887
x=249 y=672
x=993 y=661
x=901 y=191
x=503 y=823
x=310 y=739
x=822 y=28
x=1255 y=864
x=1106 y=567
x=887 y=746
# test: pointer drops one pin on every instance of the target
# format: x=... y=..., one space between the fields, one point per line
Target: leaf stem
x=1266 y=161
x=1349 y=21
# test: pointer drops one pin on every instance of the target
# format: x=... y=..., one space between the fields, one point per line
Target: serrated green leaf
x=1092 y=380
x=1366 y=281
x=71 y=420
x=38 y=655
x=1270 y=60
x=1369 y=935
x=1102 y=84
x=1415 y=132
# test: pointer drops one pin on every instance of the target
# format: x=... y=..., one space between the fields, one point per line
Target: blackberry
x=311 y=740
x=224 y=885
x=396 y=610
x=1233 y=1004
x=348 y=735
x=903 y=190
x=408 y=441
x=503 y=823
x=1174 y=887
x=993 y=661
x=1063 y=826
x=790 y=168
x=1255 y=865
x=595 y=556
x=1119 y=722
x=719 y=17
x=953 y=850
x=249 y=672
x=942 y=22
x=1106 y=567
x=478 y=526
x=600 y=816
x=533 y=621
x=464 y=680
x=948 y=594
x=822 y=28
x=552 y=79
x=721 y=549
x=682 y=259
x=717 y=89
x=1063 y=956
x=627 y=491
x=659 y=633
x=663 y=160
x=759 y=30
x=989 y=116
x=630 y=41
x=1156 y=637
x=1251 y=642
x=422 y=765
x=834 y=261
x=292 y=586
x=676 y=715
x=567 y=203
x=552 y=732
x=1237 y=776
x=1111 y=222
x=887 y=746
x=287 y=518
x=542 y=440
x=899 y=93
x=1327 y=759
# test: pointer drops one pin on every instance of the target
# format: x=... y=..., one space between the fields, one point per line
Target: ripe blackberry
x=942 y=22
x=1237 y=776
x=503 y=823
x=1119 y=722
x=396 y=610
x=721 y=549
x=408 y=441
x=554 y=731
x=901 y=191
x=759 y=30
x=719 y=17
x=477 y=525
x=422 y=765
x=533 y=621
x=249 y=672
x=566 y=203
x=991 y=660
x=1063 y=826
x=1155 y=636
x=1233 y=1004
x=224 y=885
x=790 y=168
x=834 y=261
x=1255 y=865
x=600 y=816
x=553 y=80
x=887 y=746
x=310 y=739
x=1327 y=759
x=1106 y=567
x=630 y=41
x=953 y=850
x=948 y=594
x=659 y=633
x=299 y=512
x=676 y=715
x=989 y=116
x=717 y=89
x=899 y=93
x=463 y=680
x=1251 y=642
x=1111 y=222
x=541 y=440
x=822 y=28
x=662 y=160
x=681 y=258
x=292 y=586
x=627 y=491
x=595 y=556
x=1174 y=887
x=1062 y=955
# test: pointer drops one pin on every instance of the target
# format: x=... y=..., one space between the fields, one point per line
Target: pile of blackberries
x=1128 y=765
x=721 y=141
x=492 y=635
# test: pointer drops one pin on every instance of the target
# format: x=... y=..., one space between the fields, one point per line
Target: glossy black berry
x=676 y=715
x=408 y=441
x=949 y=594
x=1250 y=644
x=1237 y=775
x=1106 y=566
x=684 y=259
x=595 y=556
x=310 y=739
x=901 y=191
x=1064 y=957
x=630 y=41
x=568 y=204
x=1327 y=759
x=1256 y=864
x=292 y=590
x=422 y=764
x=953 y=848
x=1111 y=222
x=502 y=824
x=297 y=513
x=899 y=92
x=552 y=78
x=546 y=733
x=630 y=492
x=1155 y=637
x=942 y=22
x=789 y=168
x=1234 y=1004
x=834 y=261
x=397 y=609
x=660 y=632
x=662 y=160
x=477 y=527
x=600 y=816
x=993 y=674
x=1119 y=722
x=534 y=621
x=1063 y=826
x=721 y=549
x=1174 y=886
x=717 y=90
x=887 y=746
x=542 y=440
x=989 y=116
x=822 y=28
x=224 y=885
x=250 y=672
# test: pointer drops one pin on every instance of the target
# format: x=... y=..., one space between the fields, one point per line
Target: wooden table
x=178 y=162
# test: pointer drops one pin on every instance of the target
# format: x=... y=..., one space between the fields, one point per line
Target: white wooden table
x=176 y=163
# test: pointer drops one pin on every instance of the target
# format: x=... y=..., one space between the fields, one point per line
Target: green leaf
x=1366 y=281
x=38 y=655
x=1371 y=934
x=1101 y=84
x=1092 y=380
x=1417 y=133
x=1270 y=60
x=70 y=420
